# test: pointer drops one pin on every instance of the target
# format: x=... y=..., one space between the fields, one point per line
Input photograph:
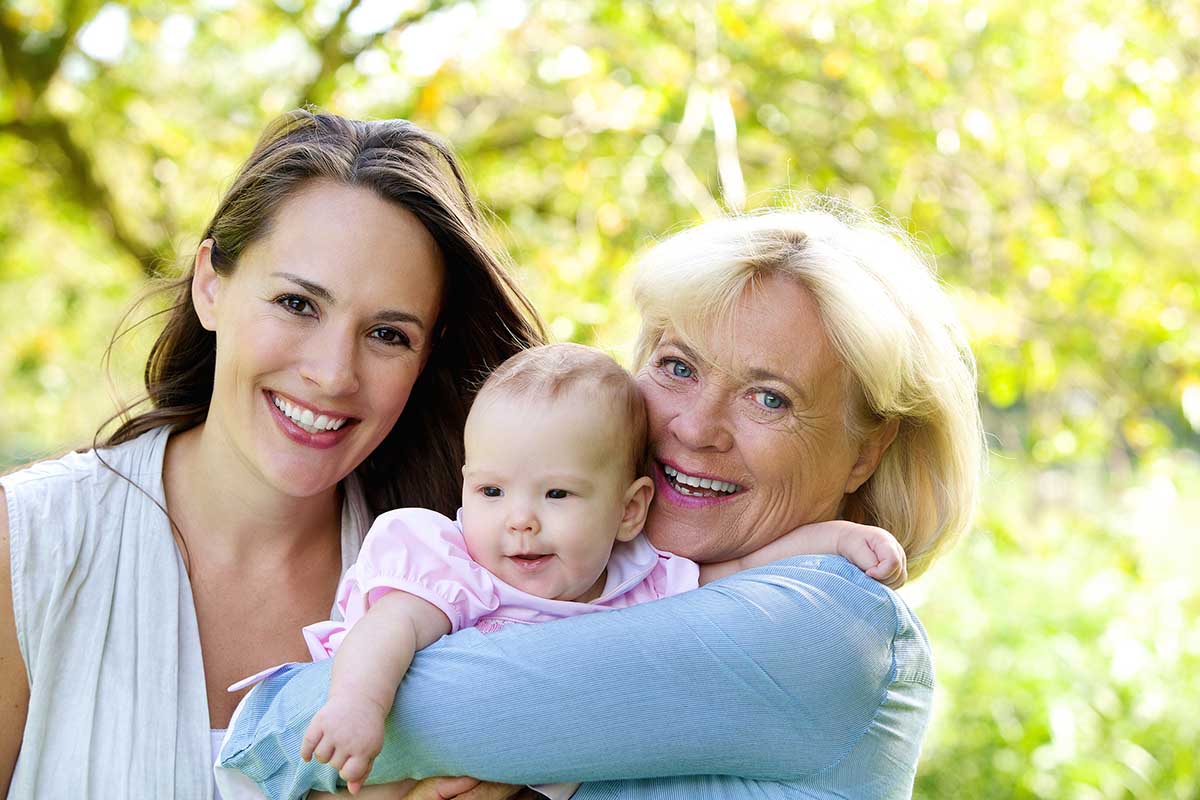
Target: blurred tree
x=1046 y=154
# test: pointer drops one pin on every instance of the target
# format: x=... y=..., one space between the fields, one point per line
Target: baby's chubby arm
x=347 y=732
x=873 y=550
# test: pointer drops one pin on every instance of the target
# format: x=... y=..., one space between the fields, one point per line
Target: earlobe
x=206 y=284
x=637 y=505
x=870 y=453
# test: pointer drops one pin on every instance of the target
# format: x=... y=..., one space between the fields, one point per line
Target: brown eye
x=295 y=304
x=392 y=336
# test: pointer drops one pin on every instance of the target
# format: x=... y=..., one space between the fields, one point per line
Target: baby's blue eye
x=557 y=494
x=678 y=368
x=770 y=400
x=492 y=491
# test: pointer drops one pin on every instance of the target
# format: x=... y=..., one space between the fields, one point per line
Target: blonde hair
x=889 y=321
x=551 y=370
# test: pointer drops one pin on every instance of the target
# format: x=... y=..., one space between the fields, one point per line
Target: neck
x=230 y=514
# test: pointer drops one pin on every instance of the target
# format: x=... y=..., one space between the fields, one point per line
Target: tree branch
x=333 y=55
x=78 y=176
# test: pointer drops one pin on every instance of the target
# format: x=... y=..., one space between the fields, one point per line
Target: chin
x=681 y=540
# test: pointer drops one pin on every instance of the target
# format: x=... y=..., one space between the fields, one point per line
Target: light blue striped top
x=803 y=678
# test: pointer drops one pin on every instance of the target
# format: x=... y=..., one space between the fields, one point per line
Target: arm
x=14 y=684
x=348 y=731
x=801 y=654
x=873 y=550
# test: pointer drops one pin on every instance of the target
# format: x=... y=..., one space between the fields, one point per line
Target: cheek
x=658 y=407
x=390 y=392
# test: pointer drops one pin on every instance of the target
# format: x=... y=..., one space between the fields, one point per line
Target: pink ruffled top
x=424 y=553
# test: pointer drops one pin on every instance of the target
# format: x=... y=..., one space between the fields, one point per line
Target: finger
x=339 y=758
x=354 y=786
x=453 y=787
x=324 y=750
x=312 y=737
x=425 y=790
x=356 y=769
x=491 y=791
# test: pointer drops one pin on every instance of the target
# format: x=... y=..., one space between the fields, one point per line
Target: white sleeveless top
x=107 y=628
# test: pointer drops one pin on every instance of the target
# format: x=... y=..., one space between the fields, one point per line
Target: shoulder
x=138 y=460
x=403 y=528
x=72 y=509
x=412 y=542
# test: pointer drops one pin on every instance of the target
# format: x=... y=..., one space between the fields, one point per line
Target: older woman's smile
x=684 y=488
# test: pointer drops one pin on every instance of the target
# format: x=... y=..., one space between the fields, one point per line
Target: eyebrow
x=386 y=315
x=752 y=373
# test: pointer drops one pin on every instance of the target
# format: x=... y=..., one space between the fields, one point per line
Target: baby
x=553 y=504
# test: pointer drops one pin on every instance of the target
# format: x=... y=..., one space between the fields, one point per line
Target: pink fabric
x=422 y=552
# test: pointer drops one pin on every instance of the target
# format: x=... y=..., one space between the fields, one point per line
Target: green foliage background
x=1046 y=154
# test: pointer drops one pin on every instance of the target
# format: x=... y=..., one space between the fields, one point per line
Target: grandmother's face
x=756 y=419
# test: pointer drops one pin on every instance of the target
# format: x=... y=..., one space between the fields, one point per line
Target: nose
x=522 y=519
x=702 y=421
x=330 y=362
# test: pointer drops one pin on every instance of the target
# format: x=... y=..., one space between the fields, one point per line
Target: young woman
x=315 y=369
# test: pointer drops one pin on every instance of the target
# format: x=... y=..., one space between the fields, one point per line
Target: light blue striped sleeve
x=773 y=674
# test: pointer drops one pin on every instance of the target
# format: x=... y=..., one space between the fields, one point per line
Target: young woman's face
x=322 y=329
x=751 y=441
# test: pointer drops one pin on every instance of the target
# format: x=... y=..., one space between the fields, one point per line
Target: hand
x=346 y=734
x=461 y=788
x=874 y=551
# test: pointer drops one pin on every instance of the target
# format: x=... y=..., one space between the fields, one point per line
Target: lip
x=318 y=441
x=530 y=565
x=667 y=491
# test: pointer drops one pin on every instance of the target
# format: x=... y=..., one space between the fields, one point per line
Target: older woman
x=315 y=369
x=810 y=361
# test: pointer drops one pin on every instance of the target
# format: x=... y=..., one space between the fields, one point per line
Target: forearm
x=820 y=538
x=605 y=696
x=376 y=653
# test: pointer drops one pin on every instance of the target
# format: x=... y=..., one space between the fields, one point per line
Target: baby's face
x=543 y=491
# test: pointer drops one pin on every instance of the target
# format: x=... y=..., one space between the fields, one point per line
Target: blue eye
x=557 y=494
x=492 y=491
x=770 y=400
x=677 y=368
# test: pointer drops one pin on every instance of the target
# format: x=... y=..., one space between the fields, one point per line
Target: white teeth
x=306 y=419
x=681 y=479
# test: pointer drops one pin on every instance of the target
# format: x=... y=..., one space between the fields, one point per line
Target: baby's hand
x=346 y=734
x=874 y=551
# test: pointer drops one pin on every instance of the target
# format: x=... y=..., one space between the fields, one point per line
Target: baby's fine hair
x=551 y=370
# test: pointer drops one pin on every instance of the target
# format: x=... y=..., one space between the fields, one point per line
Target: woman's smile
x=692 y=490
x=307 y=427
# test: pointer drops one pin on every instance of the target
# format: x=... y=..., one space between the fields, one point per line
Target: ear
x=870 y=453
x=206 y=285
x=637 y=504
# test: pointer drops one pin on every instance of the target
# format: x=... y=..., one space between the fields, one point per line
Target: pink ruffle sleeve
x=410 y=550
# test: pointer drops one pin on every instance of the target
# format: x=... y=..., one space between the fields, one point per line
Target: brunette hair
x=552 y=370
x=484 y=319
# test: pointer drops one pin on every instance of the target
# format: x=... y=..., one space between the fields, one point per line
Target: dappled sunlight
x=1045 y=155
